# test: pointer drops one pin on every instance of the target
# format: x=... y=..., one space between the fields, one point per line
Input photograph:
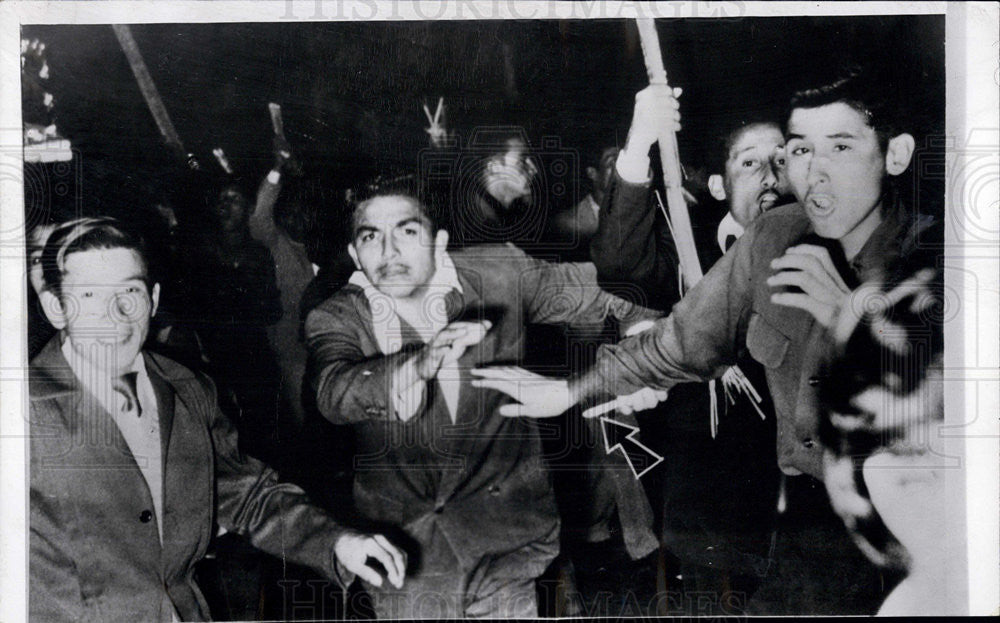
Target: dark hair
x=731 y=134
x=399 y=185
x=86 y=234
x=874 y=98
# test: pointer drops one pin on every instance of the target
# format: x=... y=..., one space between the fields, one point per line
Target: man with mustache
x=436 y=460
x=775 y=295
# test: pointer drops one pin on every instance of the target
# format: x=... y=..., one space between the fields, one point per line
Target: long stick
x=670 y=158
x=148 y=87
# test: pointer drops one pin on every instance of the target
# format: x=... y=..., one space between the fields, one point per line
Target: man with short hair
x=776 y=294
x=132 y=462
x=389 y=355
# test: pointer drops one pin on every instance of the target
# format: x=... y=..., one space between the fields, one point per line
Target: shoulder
x=346 y=306
x=774 y=230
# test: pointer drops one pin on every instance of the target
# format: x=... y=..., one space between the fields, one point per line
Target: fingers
x=437 y=113
x=379 y=549
x=512 y=373
x=823 y=256
x=821 y=312
x=519 y=410
x=506 y=386
x=809 y=284
x=427 y=113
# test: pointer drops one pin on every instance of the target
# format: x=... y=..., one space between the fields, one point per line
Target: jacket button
x=146 y=516
x=813 y=381
x=807 y=442
x=495 y=490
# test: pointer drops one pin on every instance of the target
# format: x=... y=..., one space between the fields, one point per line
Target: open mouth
x=819 y=204
x=766 y=200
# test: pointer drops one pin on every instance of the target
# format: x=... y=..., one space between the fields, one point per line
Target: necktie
x=126 y=386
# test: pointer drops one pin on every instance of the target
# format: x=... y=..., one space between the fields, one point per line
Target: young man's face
x=836 y=169
x=105 y=306
x=395 y=247
x=754 y=178
x=509 y=174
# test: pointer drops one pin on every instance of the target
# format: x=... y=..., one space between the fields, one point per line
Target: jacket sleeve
x=276 y=516
x=631 y=246
x=350 y=386
x=704 y=334
x=563 y=293
x=261 y=222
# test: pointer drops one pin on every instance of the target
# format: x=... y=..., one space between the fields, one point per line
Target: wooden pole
x=670 y=158
x=148 y=87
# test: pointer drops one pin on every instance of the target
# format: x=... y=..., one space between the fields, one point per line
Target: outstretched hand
x=353 y=551
x=809 y=268
x=538 y=396
x=449 y=344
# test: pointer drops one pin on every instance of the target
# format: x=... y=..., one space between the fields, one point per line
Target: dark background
x=351 y=92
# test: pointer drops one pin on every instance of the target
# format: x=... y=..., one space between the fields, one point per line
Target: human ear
x=53 y=308
x=154 y=297
x=354 y=255
x=716 y=187
x=440 y=242
x=898 y=153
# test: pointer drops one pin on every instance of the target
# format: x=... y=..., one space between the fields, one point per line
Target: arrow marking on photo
x=633 y=431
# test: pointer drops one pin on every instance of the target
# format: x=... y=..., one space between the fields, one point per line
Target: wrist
x=274 y=175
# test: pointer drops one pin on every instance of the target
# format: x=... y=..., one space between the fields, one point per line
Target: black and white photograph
x=333 y=310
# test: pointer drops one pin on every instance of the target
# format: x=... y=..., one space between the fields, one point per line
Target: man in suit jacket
x=132 y=463
x=389 y=355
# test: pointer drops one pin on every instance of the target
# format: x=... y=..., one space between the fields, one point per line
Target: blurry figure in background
x=576 y=226
x=283 y=219
x=492 y=192
x=718 y=492
x=232 y=284
x=883 y=417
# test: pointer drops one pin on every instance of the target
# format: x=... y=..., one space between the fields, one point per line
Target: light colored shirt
x=141 y=433
x=407 y=388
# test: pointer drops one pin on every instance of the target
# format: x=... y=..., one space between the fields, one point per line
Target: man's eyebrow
x=412 y=219
x=745 y=149
x=363 y=229
x=792 y=137
x=841 y=135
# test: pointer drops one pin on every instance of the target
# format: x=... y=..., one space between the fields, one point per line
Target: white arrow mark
x=633 y=431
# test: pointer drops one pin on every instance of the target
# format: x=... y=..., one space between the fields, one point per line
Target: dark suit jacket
x=95 y=552
x=481 y=481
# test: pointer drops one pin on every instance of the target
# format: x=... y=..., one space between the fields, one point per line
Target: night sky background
x=351 y=92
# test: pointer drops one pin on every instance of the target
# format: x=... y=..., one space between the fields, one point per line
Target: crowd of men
x=395 y=365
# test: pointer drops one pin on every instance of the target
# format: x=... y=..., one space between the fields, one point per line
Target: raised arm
x=632 y=245
x=262 y=225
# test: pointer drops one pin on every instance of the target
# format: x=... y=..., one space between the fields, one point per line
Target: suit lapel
x=164 y=404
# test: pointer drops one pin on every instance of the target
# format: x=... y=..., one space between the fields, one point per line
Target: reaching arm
x=279 y=518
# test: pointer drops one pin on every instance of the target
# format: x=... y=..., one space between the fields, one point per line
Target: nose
x=389 y=248
x=817 y=170
x=770 y=178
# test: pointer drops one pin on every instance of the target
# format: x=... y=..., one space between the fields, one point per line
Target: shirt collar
x=386 y=325
x=85 y=373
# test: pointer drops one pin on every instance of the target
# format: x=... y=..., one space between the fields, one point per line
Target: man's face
x=509 y=174
x=105 y=306
x=755 y=177
x=231 y=209
x=601 y=176
x=394 y=246
x=836 y=169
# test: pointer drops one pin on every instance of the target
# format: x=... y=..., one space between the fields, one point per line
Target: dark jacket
x=481 y=481
x=95 y=554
